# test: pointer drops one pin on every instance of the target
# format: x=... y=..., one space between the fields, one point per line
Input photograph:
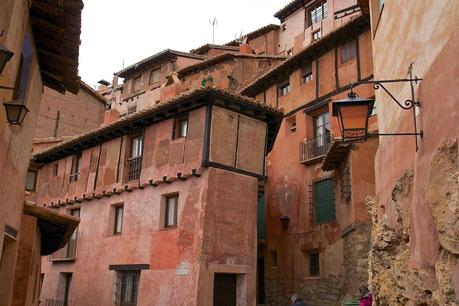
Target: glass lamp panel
x=13 y=112
x=354 y=120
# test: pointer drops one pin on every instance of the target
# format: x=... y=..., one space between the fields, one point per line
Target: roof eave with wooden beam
x=56 y=27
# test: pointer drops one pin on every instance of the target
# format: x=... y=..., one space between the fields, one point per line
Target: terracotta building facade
x=167 y=199
x=317 y=225
x=26 y=230
x=415 y=209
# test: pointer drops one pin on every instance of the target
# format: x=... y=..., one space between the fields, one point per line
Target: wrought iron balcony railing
x=134 y=168
x=314 y=148
x=50 y=302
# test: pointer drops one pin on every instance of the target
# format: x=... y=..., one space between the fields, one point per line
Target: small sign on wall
x=182 y=268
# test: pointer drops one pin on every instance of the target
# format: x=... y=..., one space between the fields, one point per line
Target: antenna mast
x=213 y=23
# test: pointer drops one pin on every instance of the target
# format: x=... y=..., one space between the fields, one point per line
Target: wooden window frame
x=167 y=204
x=319 y=36
x=348 y=51
x=177 y=128
x=151 y=81
x=116 y=209
x=318 y=4
x=75 y=171
x=34 y=187
x=283 y=87
x=306 y=74
x=315 y=202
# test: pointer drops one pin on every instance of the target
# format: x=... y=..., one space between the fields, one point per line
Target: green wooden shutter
x=324 y=201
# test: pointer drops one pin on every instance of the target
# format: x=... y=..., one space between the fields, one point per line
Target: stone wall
x=394 y=280
x=332 y=289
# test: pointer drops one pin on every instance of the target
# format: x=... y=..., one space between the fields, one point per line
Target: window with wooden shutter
x=323 y=201
x=348 y=52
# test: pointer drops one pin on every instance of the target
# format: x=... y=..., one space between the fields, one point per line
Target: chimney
x=245 y=48
x=115 y=80
x=110 y=116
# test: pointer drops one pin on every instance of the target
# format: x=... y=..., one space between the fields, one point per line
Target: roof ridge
x=360 y=20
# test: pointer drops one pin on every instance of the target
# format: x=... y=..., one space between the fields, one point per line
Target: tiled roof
x=56 y=28
x=290 y=8
x=155 y=58
x=93 y=93
x=309 y=53
x=115 y=129
x=220 y=58
x=207 y=47
x=254 y=34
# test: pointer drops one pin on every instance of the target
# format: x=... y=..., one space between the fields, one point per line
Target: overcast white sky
x=117 y=30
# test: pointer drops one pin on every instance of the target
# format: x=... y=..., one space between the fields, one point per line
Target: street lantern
x=15 y=112
x=5 y=56
x=353 y=114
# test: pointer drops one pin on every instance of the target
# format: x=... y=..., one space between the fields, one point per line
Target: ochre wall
x=415 y=200
x=77 y=113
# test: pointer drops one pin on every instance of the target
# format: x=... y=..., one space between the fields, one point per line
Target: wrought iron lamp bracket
x=405 y=105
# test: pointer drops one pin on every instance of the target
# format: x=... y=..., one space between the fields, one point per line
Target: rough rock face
x=394 y=281
x=333 y=289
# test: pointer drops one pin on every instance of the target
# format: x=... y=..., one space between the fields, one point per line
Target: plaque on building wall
x=182 y=268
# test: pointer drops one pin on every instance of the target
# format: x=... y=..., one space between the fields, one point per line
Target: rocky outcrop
x=393 y=280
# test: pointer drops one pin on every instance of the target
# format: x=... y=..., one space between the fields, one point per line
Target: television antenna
x=213 y=22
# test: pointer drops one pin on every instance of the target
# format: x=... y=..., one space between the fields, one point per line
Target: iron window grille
x=317 y=12
x=345 y=184
x=53 y=302
x=127 y=287
x=135 y=161
x=322 y=201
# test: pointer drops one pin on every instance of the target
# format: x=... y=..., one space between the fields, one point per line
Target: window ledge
x=312 y=160
x=312 y=278
x=57 y=260
x=133 y=95
x=168 y=228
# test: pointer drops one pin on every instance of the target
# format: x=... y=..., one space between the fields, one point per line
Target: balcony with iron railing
x=313 y=150
x=50 y=302
x=134 y=168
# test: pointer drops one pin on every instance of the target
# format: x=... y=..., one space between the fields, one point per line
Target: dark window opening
x=314 y=264
x=316 y=35
x=348 y=52
x=180 y=127
x=284 y=87
x=291 y=124
x=76 y=167
x=306 y=74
